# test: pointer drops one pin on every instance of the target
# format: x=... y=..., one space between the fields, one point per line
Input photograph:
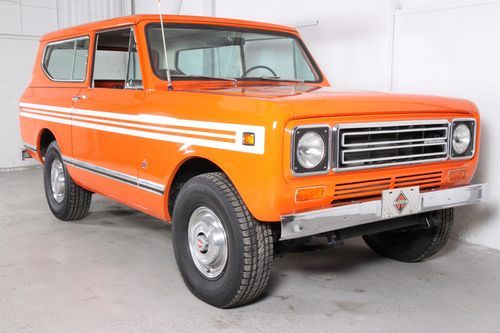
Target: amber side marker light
x=309 y=193
x=248 y=139
x=456 y=174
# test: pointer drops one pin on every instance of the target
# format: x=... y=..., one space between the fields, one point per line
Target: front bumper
x=336 y=218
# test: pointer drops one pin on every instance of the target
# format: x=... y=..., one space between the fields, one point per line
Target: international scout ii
x=229 y=130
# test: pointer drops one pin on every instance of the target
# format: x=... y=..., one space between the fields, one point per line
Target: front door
x=104 y=118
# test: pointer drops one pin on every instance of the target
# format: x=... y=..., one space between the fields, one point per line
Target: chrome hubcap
x=57 y=180
x=207 y=242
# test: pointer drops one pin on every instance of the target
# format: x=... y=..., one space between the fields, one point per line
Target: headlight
x=310 y=150
x=462 y=138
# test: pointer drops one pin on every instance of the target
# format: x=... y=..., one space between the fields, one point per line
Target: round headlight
x=310 y=150
x=461 y=139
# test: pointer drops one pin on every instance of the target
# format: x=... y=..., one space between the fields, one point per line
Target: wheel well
x=189 y=169
x=45 y=139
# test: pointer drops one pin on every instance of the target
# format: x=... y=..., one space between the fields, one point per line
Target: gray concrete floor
x=115 y=272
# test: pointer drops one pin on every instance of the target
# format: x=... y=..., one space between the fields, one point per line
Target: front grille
x=383 y=144
x=372 y=188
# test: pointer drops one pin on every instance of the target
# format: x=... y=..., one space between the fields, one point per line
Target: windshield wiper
x=274 y=78
x=231 y=79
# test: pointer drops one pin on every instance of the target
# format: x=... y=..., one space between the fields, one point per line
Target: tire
x=414 y=245
x=73 y=202
x=244 y=274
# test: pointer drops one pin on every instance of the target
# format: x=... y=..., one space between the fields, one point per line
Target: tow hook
x=335 y=241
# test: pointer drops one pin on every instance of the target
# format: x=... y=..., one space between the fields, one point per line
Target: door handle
x=77 y=98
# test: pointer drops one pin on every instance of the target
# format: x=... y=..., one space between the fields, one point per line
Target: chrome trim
x=331 y=219
x=30 y=147
x=72 y=69
x=395 y=147
x=389 y=142
x=149 y=185
x=395 y=123
x=339 y=140
x=390 y=158
x=400 y=131
x=474 y=139
x=334 y=159
x=328 y=145
x=143 y=184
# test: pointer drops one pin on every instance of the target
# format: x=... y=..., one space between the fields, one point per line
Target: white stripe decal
x=47 y=118
x=45 y=107
x=80 y=121
x=143 y=118
x=47 y=113
x=154 y=128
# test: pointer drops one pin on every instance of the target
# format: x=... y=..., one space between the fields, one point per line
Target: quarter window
x=67 y=60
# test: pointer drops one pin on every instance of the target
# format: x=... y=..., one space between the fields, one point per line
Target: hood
x=312 y=101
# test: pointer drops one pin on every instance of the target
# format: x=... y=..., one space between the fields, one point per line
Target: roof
x=134 y=19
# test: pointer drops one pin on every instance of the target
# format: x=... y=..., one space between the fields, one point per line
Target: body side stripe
x=143 y=118
x=139 y=126
x=259 y=131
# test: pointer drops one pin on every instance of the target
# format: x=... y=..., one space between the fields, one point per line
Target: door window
x=116 y=64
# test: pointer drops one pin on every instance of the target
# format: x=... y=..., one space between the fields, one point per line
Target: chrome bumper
x=331 y=219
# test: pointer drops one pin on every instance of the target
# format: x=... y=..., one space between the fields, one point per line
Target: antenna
x=169 y=79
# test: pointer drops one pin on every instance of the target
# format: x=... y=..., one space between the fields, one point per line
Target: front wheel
x=224 y=255
x=414 y=244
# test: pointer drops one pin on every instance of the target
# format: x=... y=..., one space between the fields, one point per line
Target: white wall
x=22 y=22
x=183 y=7
x=350 y=42
x=20 y=25
x=451 y=48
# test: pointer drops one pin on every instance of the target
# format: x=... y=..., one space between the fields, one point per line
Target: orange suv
x=229 y=130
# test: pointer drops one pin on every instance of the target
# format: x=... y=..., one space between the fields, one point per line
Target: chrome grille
x=383 y=144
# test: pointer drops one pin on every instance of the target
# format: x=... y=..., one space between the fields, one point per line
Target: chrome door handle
x=77 y=98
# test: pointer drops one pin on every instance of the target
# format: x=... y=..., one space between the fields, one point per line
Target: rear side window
x=67 y=60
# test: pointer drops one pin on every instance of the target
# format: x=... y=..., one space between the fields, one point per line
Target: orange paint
x=264 y=180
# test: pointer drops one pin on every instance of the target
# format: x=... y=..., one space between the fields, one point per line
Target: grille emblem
x=401 y=202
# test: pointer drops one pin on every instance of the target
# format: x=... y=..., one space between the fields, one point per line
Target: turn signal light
x=456 y=174
x=309 y=193
x=249 y=139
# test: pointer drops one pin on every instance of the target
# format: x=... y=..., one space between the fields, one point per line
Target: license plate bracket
x=401 y=202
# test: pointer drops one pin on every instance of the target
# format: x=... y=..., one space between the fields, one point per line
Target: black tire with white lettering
x=414 y=244
x=67 y=200
x=239 y=276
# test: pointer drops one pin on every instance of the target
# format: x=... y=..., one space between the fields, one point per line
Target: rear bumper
x=336 y=218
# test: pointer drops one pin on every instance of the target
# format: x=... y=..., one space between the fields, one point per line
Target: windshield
x=207 y=52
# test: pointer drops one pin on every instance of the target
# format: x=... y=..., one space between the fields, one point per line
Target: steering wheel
x=258 y=67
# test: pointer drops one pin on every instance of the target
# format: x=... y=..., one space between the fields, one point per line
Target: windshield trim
x=300 y=42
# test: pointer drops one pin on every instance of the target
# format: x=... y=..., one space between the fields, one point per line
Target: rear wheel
x=414 y=244
x=224 y=255
x=66 y=200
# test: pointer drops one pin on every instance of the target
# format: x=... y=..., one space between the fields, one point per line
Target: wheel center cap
x=202 y=243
